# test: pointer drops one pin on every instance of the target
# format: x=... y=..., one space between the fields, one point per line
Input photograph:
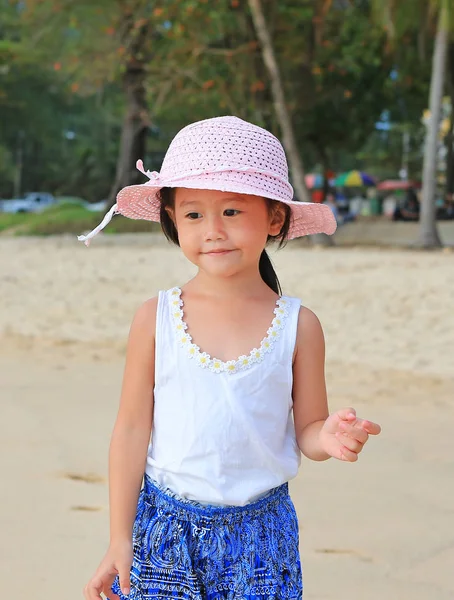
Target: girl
x=228 y=376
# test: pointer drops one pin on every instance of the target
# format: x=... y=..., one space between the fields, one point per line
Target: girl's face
x=223 y=233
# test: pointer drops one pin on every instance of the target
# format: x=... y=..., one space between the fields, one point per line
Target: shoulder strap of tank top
x=160 y=331
x=291 y=327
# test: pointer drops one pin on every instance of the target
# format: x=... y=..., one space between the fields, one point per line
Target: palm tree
x=391 y=12
x=277 y=90
x=428 y=233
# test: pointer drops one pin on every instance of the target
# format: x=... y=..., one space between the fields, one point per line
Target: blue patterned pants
x=189 y=551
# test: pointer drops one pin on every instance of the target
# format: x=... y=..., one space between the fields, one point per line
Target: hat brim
x=142 y=202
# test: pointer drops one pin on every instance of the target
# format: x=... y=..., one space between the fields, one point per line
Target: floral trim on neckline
x=216 y=365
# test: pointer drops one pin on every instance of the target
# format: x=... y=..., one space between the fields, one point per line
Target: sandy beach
x=382 y=528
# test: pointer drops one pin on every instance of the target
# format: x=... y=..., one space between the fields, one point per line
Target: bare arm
x=132 y=430
x=310 y=405
x=318 y=434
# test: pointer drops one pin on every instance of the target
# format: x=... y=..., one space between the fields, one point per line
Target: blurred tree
x=58 y=139
x=117 y=73
x=165 y=56
x=428 y=235
x=94 y=44
x=449 y=139
x=338 y=77
x=280 y=105
x=398 y=20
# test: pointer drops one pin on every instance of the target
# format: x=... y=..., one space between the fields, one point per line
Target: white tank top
x=223 y=432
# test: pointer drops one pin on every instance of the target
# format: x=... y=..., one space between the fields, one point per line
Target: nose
x=215 y=229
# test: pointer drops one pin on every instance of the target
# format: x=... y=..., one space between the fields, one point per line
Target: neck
x=244 y=284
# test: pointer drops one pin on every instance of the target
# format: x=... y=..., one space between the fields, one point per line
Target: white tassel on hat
x=107 y=218
x=152 y=175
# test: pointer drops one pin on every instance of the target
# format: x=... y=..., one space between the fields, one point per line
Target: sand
x=380 y=528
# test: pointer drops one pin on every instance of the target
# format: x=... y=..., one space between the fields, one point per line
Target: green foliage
x=70 y=219
x=59 y=219
x=62 y=68
x=382 y=153
x=347 y=81
x=10 y=221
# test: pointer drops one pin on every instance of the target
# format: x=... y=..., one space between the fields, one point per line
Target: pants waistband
x=191 y=509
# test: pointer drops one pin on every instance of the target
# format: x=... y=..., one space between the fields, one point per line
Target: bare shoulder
x=140 y=351
x=136 y=402
x=310 y=332
x=142 y=332
x=144 y=320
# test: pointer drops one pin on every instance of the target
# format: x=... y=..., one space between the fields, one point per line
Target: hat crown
x=224 y=143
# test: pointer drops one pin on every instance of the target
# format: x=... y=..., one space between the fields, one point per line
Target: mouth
x=218 y=252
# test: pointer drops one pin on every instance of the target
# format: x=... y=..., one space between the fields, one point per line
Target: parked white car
x=31 y=202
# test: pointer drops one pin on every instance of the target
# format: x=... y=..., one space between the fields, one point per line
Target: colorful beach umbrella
x=354 y=179
x=314 y=181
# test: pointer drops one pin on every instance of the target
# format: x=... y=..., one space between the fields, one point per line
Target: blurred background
x=361 y=92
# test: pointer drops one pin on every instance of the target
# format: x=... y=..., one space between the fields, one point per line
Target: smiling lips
x=218 y=251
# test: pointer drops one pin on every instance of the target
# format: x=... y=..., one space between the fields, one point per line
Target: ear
x=170 y=211
x=277 y=219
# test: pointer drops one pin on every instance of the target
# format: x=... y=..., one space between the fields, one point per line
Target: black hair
x=266 y=269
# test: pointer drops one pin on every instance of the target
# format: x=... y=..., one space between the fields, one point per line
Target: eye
x=193 y=216
x=231 y=212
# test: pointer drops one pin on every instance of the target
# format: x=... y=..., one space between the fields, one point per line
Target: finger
x=357 y=433
x=124 y=577
x=92 y=591
x=346 y=414
x=347 y=455
x=110 y=595
x=107 y=589
x=371 y=428
x=349 y=443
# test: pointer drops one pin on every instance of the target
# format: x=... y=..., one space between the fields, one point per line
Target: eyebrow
x=187 y=203
x=227 y=199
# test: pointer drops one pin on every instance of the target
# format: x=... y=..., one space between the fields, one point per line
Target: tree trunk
x=277 y=90
x=428 y=234
x=133 y=134
x=135 y=122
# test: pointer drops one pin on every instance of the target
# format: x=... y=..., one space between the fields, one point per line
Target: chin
x=219 y=268
x=223 y=272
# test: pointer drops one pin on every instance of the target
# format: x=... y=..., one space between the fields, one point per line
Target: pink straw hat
x=225 y=154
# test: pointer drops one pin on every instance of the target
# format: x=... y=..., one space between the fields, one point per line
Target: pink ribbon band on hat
x=152 y=175
x=155 y=176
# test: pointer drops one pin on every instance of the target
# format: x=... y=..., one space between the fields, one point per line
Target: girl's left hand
x=343 y=435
